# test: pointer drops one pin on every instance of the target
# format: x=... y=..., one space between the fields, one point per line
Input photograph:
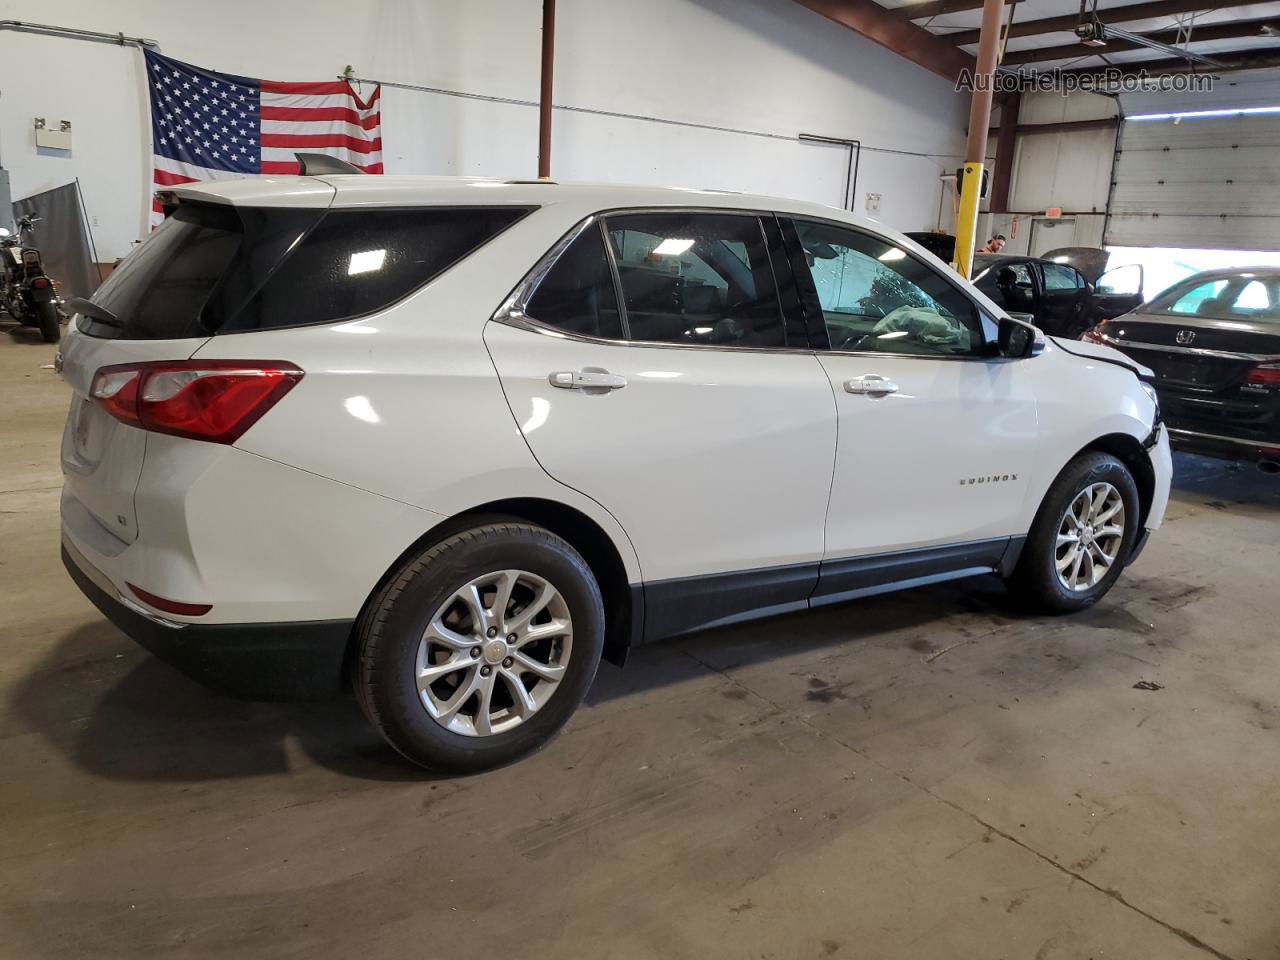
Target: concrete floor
x=923 y=775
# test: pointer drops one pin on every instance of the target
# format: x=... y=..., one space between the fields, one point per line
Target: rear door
x=1062 y=309
x=650 y=370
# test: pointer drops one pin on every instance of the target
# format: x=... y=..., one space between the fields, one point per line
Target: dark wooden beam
x=1064 y=126
x=1006 y=146
x=1256 y=58
x=1112 y=15
x=901 y=36
x=938 y=8
x=545 y=88
x=1211 y=31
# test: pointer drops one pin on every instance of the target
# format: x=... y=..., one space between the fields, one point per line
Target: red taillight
x=1267 y=373
x=214 y=400
x=171 y=606
x=40 y=283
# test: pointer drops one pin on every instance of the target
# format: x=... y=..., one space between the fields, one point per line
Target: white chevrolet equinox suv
x=457 y=440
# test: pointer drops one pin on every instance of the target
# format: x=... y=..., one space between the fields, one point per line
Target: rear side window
x=357 y=262
x=219 y=269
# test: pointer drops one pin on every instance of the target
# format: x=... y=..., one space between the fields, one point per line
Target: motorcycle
x=27 y=293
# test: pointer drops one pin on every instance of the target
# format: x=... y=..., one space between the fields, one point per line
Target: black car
x=1213 y=341
x=1064 y=292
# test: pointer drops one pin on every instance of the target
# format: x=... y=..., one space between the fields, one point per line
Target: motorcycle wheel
x=47 y=313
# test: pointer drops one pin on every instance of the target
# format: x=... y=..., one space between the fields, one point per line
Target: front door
x=936 y=436
x=680 y=407
x=1117 y=291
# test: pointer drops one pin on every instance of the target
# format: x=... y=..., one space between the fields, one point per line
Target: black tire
x=1036 y=580
x=47 y=316
x=392 y=627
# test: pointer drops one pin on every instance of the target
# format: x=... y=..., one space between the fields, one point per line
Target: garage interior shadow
x=135 y=718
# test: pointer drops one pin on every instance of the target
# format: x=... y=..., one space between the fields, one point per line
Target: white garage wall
x=768 y=66
x=1207 y=182
x=1066 y=169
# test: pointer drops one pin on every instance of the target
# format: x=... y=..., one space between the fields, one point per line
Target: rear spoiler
x=317 y=164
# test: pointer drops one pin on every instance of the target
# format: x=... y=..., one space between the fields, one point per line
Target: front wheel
x=1082 y=535
x=47 y=318
x=478 y=651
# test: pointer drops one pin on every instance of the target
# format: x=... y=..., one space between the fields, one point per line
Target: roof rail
x=316 y=164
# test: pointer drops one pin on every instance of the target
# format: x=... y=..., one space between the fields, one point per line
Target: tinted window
x=577 y=293
x=211 y=268
x=696 y=278
x=356 y=262
x=1058 y=276
x=877 y=296
x=161 y=290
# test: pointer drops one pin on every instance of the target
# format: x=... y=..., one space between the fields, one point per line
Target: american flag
x=217 y=126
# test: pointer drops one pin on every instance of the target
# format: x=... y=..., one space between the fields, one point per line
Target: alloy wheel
x=494 y=653
x=1090 y=536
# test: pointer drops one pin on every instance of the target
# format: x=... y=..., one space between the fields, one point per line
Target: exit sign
x=1053 y=213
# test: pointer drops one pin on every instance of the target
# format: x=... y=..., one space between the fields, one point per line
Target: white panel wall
x=762 y=66
x=1072 y=169
x=1206 y=183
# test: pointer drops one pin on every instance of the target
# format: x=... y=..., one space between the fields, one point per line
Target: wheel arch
x=623 y=604
x=1129 y=451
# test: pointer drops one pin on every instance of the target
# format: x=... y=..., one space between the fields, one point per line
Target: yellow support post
x=976 y=146
x=967 y=219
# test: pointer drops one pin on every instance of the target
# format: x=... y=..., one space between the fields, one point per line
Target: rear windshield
x=1249 y=297
x=218 y=269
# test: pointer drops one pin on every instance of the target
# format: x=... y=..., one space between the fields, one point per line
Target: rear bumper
x=1217 y=445
x=291 y=661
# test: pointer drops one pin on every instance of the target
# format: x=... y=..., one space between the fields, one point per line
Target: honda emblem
x=1184 y=337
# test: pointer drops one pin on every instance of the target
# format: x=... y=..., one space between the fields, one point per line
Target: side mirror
x=1018 y=339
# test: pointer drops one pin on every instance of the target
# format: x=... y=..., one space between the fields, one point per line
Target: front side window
x=1058 y=276
x=696 y=278
x=876 y=296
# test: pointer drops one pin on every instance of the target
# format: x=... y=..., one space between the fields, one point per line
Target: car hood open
x=1090 y=261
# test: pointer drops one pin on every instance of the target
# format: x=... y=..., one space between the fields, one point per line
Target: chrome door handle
x=589 y=379
x=870 y=384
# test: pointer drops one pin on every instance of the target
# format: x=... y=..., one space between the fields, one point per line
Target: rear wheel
x=1082 y=535
x=47 y=318
x=481 y=648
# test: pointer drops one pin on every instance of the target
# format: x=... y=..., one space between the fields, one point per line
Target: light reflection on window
x=366 y=261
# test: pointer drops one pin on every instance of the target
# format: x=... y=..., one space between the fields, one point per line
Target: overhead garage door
x=1207 y=183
